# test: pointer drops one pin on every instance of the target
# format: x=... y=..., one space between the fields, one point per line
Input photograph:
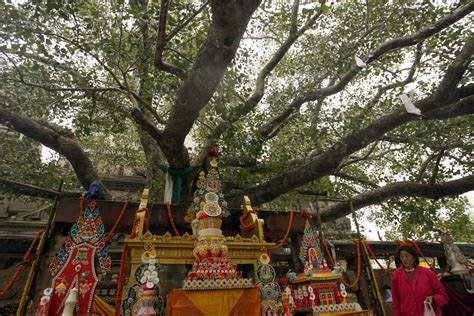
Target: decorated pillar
x=212 y=268
x=270 y=292
x=143 y=297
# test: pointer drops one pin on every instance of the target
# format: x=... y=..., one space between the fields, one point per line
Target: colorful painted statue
x=456 y=259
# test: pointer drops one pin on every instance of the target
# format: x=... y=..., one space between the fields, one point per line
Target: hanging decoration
x=270 y=292
x=212 y=268
x=45 y=302
x=73 y=266
x=22 y=266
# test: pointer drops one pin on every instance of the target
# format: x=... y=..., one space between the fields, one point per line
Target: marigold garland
x=249 y=226
x=374 y=279
x=21 y=267
x=117 y=221
x=81 y=205
x=421 y=253
x=374 y=257
x=170 y=215
x=121 y=277
x=290 y=224
x=331 y=260
x=358 y=263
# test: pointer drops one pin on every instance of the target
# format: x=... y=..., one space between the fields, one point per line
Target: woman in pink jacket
x=412 y=285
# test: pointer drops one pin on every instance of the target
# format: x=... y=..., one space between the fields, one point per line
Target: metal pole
x=318 y=221
x=39 y=254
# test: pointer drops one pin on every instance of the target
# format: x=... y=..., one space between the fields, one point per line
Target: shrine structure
x=318 y=290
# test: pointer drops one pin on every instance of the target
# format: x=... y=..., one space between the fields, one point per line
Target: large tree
x=300 y=98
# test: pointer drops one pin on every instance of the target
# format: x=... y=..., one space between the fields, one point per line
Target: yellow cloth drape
x=101 y=307
x=229 y=302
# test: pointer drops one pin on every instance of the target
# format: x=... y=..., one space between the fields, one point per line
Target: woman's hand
x=429 y=299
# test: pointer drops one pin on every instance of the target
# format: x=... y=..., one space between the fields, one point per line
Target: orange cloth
x=230 y=302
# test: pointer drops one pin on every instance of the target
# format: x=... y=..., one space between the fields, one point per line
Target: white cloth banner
x=168 y=188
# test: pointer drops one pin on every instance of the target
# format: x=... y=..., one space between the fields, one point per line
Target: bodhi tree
x=361 y=100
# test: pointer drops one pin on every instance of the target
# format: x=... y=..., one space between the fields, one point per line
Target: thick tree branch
x=456 y=70
x=157 y=135
x=355 y=179
x=400 y=189
x=464 y=91
x=432 y=107
x=161 y=42
x=328 y=162
x=259 y=89
x=56 y=138
x=229 y=21
x=460 y=108
x=269 y=129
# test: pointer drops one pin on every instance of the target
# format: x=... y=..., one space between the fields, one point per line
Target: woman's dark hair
x=411 y=250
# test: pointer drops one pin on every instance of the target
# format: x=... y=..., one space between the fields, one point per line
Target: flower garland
x=81 y=205
x=249 y=226
x=170 y=215
x=123 y=267
x=20 y=268
x=374 y=257
x=117 y=221
x=358 y=263
x=374 y=279
x=290 y=224
x=331 y=260
x=421 y=253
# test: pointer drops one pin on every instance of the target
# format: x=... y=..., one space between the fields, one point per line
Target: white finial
x=70 y=303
